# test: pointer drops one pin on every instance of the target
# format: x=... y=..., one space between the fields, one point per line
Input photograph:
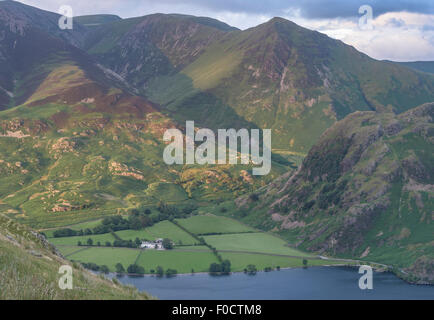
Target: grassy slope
x=29 y=270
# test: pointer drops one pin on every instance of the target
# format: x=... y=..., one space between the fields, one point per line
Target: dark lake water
x=312 y=283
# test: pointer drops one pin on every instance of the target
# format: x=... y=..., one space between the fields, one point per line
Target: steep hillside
x=29 y=270
x=140 y=49
x=281 y=76
x=364 y=191
x=41 y=65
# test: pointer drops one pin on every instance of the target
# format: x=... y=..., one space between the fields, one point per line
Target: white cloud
x=398 y=36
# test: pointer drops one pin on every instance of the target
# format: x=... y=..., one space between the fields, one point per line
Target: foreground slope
x=365 y=191
x=29 y=269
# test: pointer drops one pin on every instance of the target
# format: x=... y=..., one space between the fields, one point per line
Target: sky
x=399 y=30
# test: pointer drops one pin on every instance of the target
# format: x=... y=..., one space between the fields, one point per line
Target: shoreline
x=134 y=275
x=378 y=270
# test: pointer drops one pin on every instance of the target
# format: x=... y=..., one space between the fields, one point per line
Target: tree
x=98 y=244
x=171 y=273
x=215 y=268
x=138 y=242
x=89 y=242
x=119 y=268
x=108 y=244
x=226 y=267
x=305 y=263
x=159 y=271
x=79 y=243
x=167 y=244
x=251 y=269
x=104 y=269
x=135 y=269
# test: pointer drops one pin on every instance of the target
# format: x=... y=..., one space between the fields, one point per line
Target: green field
x=253 y=242
x=211 y=224
x=133 y=234
x=183 y=262
x=166 y=229
x=72 y=241
x=107 y=256
x=79 y=226
x=239 y=261
x=69 y=250
x=226 y=235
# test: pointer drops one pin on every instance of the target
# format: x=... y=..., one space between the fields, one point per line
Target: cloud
x=398 y=36
x=312 y=9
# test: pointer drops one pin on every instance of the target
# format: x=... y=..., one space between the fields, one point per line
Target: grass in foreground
x=29 y=271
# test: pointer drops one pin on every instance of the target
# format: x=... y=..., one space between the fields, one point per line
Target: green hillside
x=364 y=191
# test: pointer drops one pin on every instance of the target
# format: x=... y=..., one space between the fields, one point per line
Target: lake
x=332 y=283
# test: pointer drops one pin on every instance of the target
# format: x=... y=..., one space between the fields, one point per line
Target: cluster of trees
x=139 y=218
x=94 y=267
x=251 y=269
x=119 y=243
x=223 y=268
x=138 y=270
x=135 y=269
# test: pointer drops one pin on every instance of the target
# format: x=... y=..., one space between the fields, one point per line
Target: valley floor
x=198 y=241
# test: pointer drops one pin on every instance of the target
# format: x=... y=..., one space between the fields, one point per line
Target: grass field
x=133 y=234
x=253 y=242
x=107 y=256
x=211 y=224
x=183 y=262
x=166 y=229
x=79 y=226
x=69 y=250
x=225 y=234
x=72 y=241
x=239 y=261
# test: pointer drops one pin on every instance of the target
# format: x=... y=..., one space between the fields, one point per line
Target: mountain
x=77 y=143
x=423 y=66
x=364 y=191
x=277 y=75
x=29 y=270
